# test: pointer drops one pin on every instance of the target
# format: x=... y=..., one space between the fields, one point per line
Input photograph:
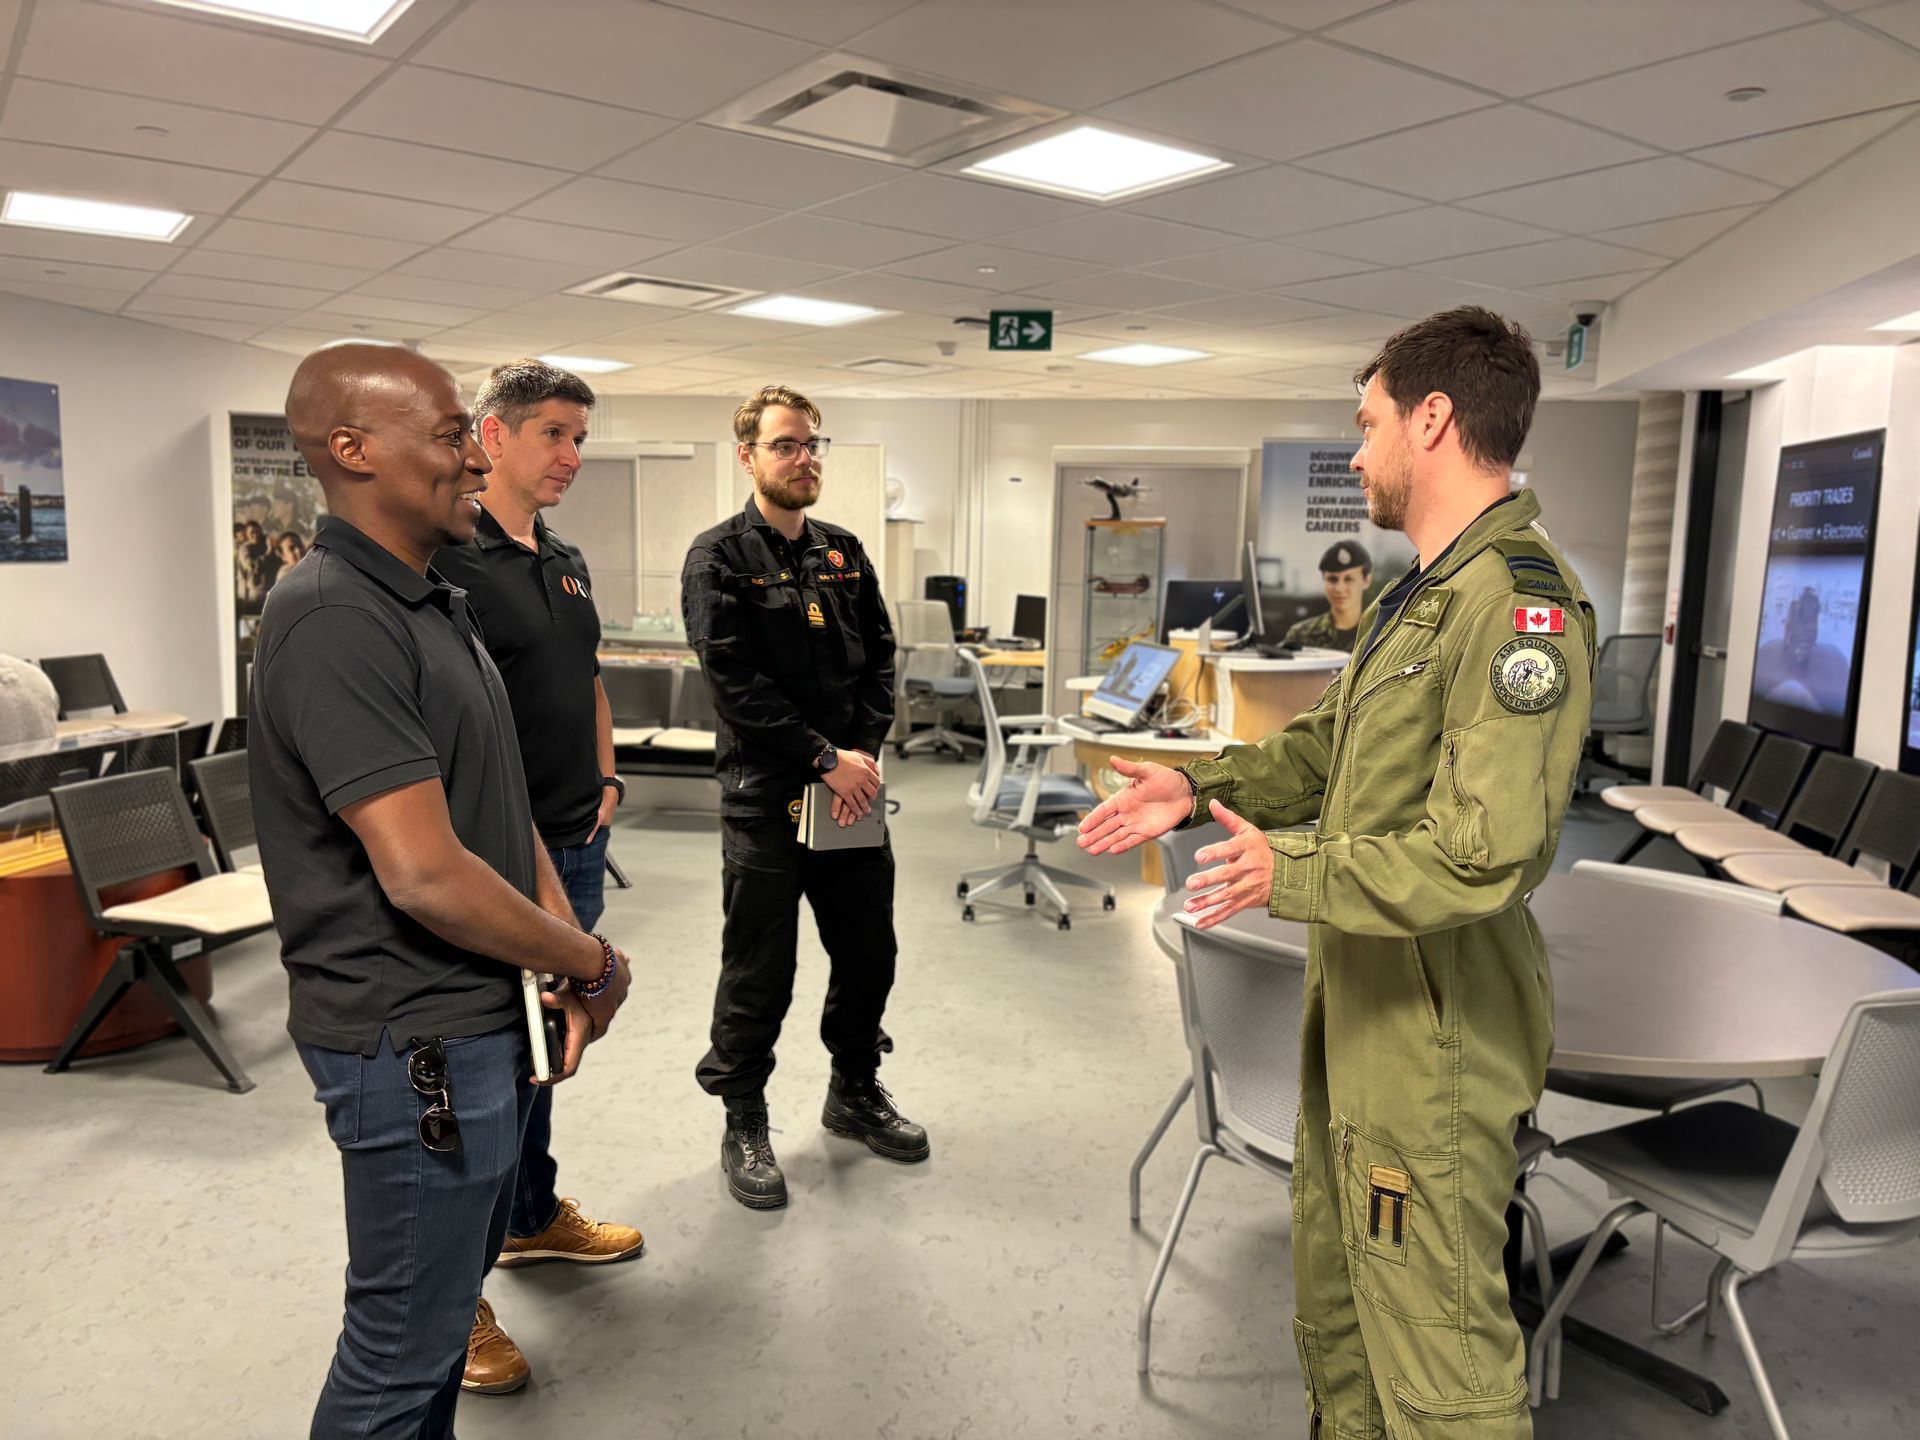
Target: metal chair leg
x=1633 y=847
x=166 y=981
x=1538 y=1387
x=1730 y=1284
x=1686 y=1317
x=619 y=875
x=1180 y=1095
x=1713 y=1290
x=119 y=979
x=1542 y=1270
x=1200 y=1158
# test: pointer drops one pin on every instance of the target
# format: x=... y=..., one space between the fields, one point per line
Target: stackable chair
x=1757 y=1191
x=1764 y=792
x=85 y=684
x=1623 y=677
x=1885 y=918
x=232 y=736
x=1813 y=824
x=639 y=701
x=928 y=673
x=131 y=827
x=1887 y=830
x=1728 y=755
x=1648 y=1092
x=1014 y=792
x=226 y=804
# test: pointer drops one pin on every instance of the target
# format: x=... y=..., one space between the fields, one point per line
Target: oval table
x=1648 y=981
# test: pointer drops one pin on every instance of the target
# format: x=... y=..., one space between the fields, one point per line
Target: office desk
x=1013 y=659
x=119 y=727
x=1255 y=696
x=1093 y=750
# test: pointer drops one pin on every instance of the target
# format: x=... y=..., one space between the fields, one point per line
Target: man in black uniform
x=787 y=618
x=406 y=878
x=530 y=591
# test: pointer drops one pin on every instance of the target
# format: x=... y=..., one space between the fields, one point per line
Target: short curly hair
x=746 y=420
x=1483 y=363
x=513 y=391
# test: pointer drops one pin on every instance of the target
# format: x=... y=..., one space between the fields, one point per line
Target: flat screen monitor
x=1910 y=712
x=1253 y=593
x=1189 y=603
x=1813 y=606
x=1134 y=680
x=1030 y=617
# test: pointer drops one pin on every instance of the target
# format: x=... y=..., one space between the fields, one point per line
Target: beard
x=787 y=494
x=1388 y=492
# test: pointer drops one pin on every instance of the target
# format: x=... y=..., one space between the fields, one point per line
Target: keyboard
x=1100 y=725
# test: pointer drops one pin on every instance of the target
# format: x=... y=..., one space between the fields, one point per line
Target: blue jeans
x=422 y=1228
x=583 y=871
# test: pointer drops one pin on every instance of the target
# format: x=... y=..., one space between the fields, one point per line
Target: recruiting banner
x=276 y=506
x=1312 y=513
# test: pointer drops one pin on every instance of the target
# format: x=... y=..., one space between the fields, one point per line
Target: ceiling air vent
x=882 y=112
x=653 y=290
x=883 y=365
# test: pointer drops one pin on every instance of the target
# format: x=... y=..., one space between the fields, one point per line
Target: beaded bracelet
x=594 y=989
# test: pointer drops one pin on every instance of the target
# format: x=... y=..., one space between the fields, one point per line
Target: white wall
x=143 y=575
x=1835 y=390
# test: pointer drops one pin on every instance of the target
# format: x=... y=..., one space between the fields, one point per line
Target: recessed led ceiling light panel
x=1090 y=163
x=1145 y=355
x=585 y=364
x=363 y=20
x=1901 y=323
x=804 y=310
x=92 y=217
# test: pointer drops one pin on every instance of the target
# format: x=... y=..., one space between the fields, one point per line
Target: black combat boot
x=746 y=1154
x=860 y=1107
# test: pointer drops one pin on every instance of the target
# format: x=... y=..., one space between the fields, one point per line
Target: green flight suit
x=1321 y=631
x=1439 y=767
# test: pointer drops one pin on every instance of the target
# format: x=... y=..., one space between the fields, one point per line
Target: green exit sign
x=1020 y=330
x=1576 y=345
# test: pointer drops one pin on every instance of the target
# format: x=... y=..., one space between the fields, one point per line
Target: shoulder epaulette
x=1532 y=567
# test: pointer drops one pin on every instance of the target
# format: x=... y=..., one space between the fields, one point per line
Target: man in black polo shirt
x=787 y=618
x=406 y=881
x=531 y=592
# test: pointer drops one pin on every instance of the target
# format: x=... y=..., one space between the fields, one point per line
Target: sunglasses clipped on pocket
x=427 y=1070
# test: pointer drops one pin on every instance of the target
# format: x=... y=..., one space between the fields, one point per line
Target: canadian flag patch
x=1542 y=621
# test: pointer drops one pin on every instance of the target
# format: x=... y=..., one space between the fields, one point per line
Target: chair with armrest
x=1887 y=830
x=1764 y=791
x=135 y=827
x=226 y=803
x=1177 y=849
x=1813 y=824
x=1728 y=755
x=927 y=672
x=1758 y=1191
x=1623 y=678
x=1014 y=792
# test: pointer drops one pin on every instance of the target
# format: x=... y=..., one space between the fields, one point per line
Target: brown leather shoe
x=572 y=1236
x=495 y=1365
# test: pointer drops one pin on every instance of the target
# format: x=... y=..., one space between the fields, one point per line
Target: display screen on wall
x=1813 y=605
x=33 y=477
x=276 y=507
x=1311 y=505
x=1910 y=729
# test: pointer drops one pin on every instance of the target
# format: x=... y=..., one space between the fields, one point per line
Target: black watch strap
x=619 y=786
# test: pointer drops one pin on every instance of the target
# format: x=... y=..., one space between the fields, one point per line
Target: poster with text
x=276 y=507
x=33 y=481
x=1310 y=502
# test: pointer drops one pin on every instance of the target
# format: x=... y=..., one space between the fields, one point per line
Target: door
x=1716 y=612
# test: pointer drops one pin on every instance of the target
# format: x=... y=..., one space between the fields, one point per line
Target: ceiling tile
x=85 y=298
x=471 y=267
x=947 y=206
x=1674 y=238
x=125 y=178
x=1072 y=53
x=1625 y=195
x=679 y=63
x=286 y=202
x=36 y=271
x=245 y=292
x=1789 y=157
x=485 y=117
x=1817 y=72
x=166 y=55
x=1483 y=150
x=1131 y=290
x=1293 y=100
x=292 y=242
x=445 y=292
x=410 y=312
x=1243 y=310
x=310 y=333
x=307 y=274
x=1525 y=266
x=1416 y=235
x=739 y=270
x=901 y=292
x=96 y=120
x=1304 y=14
x=1257 y=267
x=1279 y=200
x=711 y=161
x=238 y=330
x=1349 y=325
x=1396 y=292
x=826 y=242
x=1522 y=49
x=579 y=315
x=557 y=241
x=1011 y=269
x=1595 y=287
x=509 y=340
x=56 y=245
x=825 y=21
x=1900 y=19
x=1117 y=239
x=419 y=172
x=645 y=210
x=259 y=315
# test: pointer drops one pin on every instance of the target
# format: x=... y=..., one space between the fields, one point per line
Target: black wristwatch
x=619 y=787
x=826 y=760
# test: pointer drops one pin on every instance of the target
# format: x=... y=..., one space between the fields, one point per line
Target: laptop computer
x=1128 y=688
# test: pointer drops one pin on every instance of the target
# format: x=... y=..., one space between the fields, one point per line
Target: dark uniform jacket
x=797 y=651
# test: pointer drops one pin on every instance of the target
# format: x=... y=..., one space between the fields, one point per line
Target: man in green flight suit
x=1345 y=571
x=1438 y=767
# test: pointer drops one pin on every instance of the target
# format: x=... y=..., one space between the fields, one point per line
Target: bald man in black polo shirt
x=406 y=878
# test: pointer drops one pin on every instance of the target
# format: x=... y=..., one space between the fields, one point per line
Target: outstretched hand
x=1241 y=875
x=1153 y=801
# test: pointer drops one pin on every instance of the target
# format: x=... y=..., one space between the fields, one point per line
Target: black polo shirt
x=536 y=614
x=367 y=677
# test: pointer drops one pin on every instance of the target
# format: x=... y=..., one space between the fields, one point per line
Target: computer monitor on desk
x=1189 y=602
x=1030 y=618
x=1129 y=687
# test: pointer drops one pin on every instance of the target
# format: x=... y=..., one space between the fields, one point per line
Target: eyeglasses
x=786 y=449
x=427 y=1070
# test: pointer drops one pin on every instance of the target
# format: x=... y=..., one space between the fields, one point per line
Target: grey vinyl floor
x=173 y=1254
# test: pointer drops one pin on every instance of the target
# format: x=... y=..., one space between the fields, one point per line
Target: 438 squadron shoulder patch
x=1529 y=674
